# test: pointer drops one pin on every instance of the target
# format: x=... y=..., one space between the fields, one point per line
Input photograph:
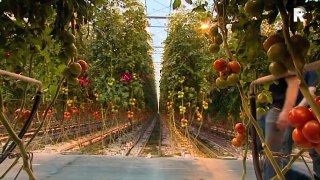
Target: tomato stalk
x=288 y=166
x=244 y=160
x=297 y=59
x=5 y=122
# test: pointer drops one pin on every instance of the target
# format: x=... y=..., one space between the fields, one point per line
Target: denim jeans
x=316 y=162
x=262 y=124
x=274 y=139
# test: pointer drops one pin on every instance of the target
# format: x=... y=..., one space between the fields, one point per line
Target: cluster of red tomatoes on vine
x=228 y=72
x=130 y=114
x=97 y=115
x=307 y=127
x=25 y=113
x=241 y=134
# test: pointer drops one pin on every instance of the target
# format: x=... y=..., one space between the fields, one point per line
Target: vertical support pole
x=253 y=134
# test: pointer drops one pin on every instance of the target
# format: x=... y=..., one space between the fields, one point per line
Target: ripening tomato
x=26 y=114
x=311 y=131
x=84 y=65
x=240 y=128
x=234 y=66
x=298 y=116
x=48 y=114
x=66 y=115
x=300 y=140
x=8 y=54
x=235 y=142
x=220 y=64
x=74 y=110
x=241 y=137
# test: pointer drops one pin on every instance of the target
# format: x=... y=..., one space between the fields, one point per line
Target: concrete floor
x=85 y=167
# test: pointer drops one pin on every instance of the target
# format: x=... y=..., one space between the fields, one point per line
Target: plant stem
x=288 y=166
x=244 y=160
x=17 y=140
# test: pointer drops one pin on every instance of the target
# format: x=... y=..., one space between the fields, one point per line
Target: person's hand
x=282 y=122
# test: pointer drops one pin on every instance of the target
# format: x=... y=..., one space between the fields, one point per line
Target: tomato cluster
x=241 y=135
x=184 y=122
x=48 y=114
x=228 y=72
x=281 y=60
x=180 y=94
x=97 y=116
x=66 y=115
x=24 y=116
x=130 y=114
x=199 y=115
x=205 y=105
x=182 y=109
x=74 y=70
x=74 y=110
x=132 y=101
x=169 y=104
x=215 y=39
x=307 y=128
x=114 y=109
x=263 y=98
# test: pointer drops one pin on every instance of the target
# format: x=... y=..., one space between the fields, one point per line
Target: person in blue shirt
x=286 y=95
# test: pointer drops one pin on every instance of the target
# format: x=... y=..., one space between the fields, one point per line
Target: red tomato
x=66 y=115
x=240 y=128
x=8 y=54
x=300 y=140
x=234 y=66
x=220 y=64
x=241 y=137
x=311 y=131
x=26 y=114
x=298 y=116
x=48 y=114
x=74 y=110
x=236 y=143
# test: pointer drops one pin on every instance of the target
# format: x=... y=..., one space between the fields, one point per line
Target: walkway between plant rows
x=97 y=167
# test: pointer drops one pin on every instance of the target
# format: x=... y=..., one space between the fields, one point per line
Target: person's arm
x=311 y=79
x=304 y=102
x=290 y=100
